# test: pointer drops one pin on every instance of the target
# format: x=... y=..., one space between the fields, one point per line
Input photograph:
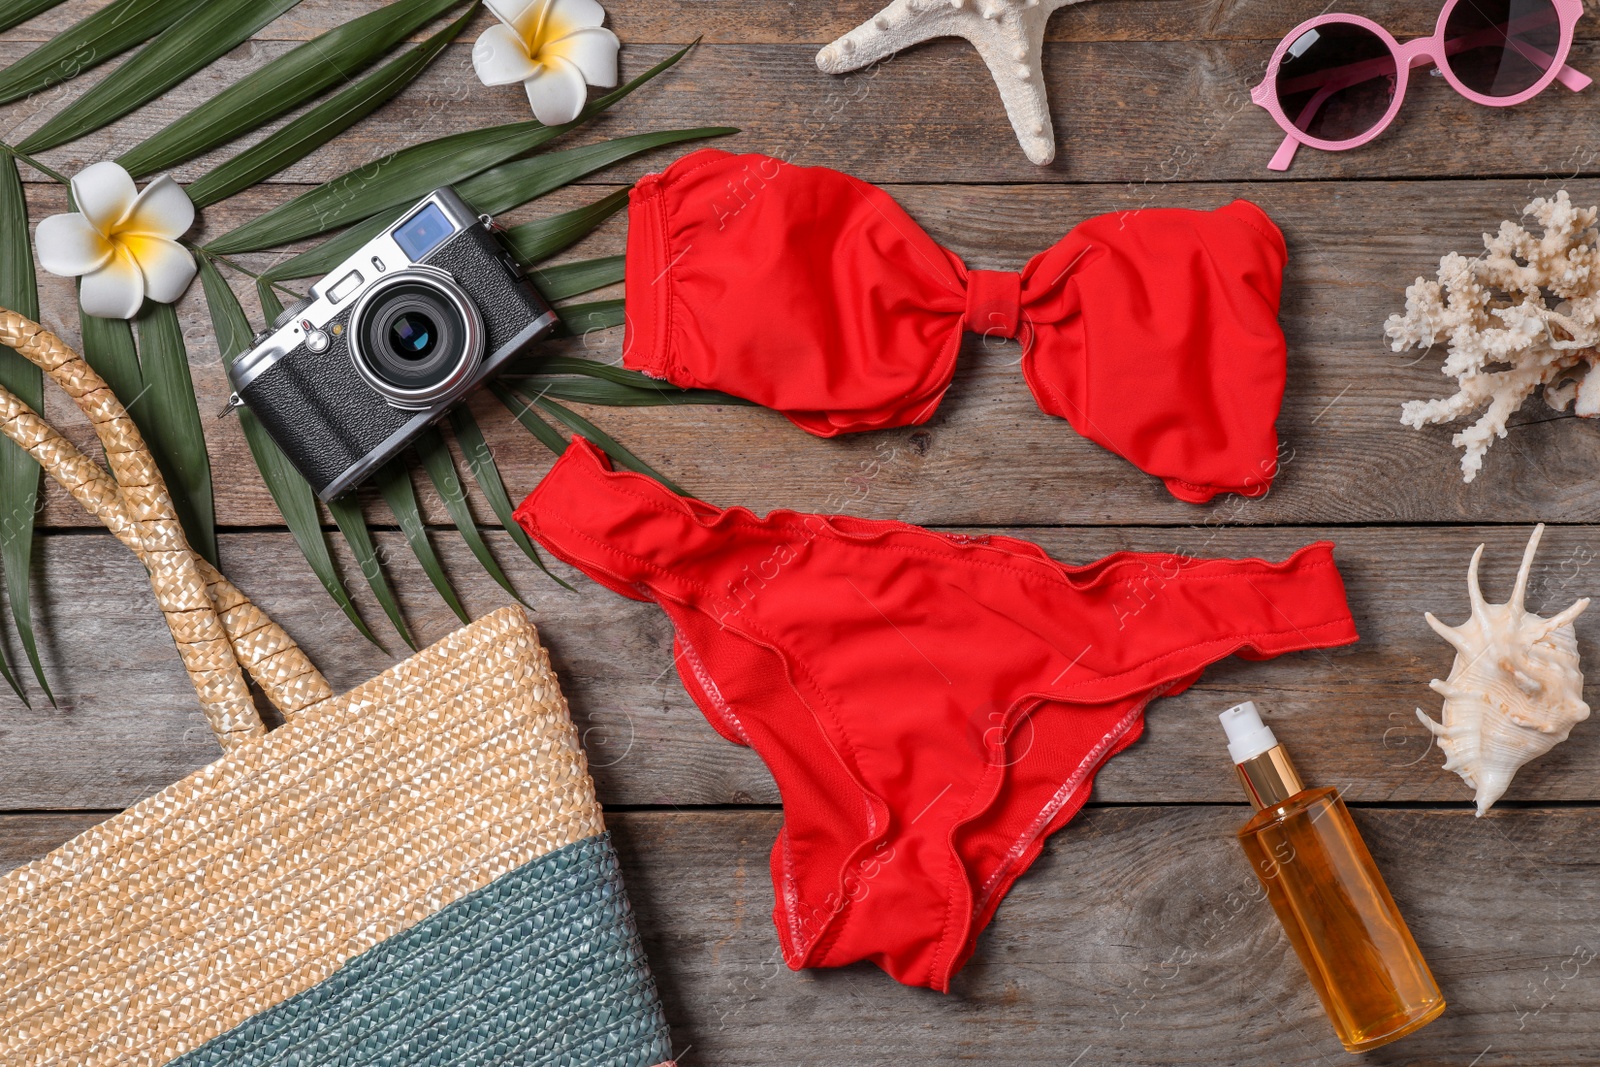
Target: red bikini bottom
x=932 y=706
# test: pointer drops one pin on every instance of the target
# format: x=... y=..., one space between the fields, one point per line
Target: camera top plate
x=431 y=222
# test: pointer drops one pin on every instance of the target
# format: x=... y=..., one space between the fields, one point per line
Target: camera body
x=386 y=342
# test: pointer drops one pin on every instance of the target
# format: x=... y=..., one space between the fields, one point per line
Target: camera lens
x=415 y=338
x=412 y=335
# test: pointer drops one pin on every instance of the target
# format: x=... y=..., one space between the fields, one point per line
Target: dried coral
x=1520 y=316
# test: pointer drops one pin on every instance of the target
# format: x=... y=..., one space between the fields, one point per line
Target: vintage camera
x=346 y=378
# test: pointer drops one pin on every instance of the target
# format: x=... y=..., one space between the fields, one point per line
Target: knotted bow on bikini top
x=1153 y=332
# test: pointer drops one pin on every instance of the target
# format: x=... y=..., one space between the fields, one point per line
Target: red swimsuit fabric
x=1154 y=333
x=932 y=706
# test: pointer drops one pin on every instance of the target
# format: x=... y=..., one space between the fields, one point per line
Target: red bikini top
x=1154 y=333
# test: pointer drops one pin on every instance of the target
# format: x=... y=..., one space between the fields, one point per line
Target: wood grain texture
x=128 y=724
x=1124 y=111
x=733 y=21
x=1138 y=938
x=988 y=456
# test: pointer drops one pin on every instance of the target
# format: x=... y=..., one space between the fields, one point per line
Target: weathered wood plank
x=27 y=837
x=127 y=724
x=989 y=457
x=736 y=22
x=1141 y=111
x=1139 y=938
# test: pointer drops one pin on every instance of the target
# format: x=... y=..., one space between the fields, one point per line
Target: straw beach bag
x=414 y=873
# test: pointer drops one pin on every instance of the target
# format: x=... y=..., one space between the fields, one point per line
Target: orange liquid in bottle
x=1341 y=920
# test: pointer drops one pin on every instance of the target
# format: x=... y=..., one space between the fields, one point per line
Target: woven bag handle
x=215 y=626
x=268 y=654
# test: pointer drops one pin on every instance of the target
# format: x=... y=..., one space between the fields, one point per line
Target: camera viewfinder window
x=422 y=232
x=345 y=286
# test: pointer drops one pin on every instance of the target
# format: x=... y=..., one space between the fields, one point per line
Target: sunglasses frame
x=1424 y=51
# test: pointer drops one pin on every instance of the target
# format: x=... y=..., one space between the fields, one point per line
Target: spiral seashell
x=1514 y=691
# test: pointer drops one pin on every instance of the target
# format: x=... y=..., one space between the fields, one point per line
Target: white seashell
x=1514 y=691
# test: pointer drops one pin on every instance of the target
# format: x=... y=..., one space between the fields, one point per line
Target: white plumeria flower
x=120 y=241
x=554 y=48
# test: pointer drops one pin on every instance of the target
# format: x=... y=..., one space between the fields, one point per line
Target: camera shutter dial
x=289 y=313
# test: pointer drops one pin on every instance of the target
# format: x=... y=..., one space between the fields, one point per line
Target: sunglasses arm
x=1575 y=80
x=1285 y=154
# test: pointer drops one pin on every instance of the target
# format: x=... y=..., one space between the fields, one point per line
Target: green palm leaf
x=499 y=189
x=271 y=306
x=596 y=436
x=346 y=512
x=585 y=275
x=402 y=177
x=447 y=481
x=19 y=474
x=522 y=180
x=303 y=135
x=521 y=409
x=283 y=84
x=108 y=32
x=540 y=371
x=484 y=471
x=293 y=495
x=395 y=485
x=315 y=262
x=543 y=238
x=579 y=319
x=610 y=445
x=214 y=28
x=397 y=179
x=593 y=368
x=169 y=417
x=158 y=393
x=21 y=11
x=610 y=394
x=108 y=348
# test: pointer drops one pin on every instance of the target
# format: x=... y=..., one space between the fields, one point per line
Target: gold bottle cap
x=1269 y=778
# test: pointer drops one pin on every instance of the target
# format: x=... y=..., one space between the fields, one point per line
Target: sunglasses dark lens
x=1336 y=81
x=1501 y=47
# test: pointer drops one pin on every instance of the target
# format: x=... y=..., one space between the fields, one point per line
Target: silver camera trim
x=321 y=305
x=466 y=366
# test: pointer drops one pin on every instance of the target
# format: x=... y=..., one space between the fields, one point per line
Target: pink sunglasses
x=1336 y=81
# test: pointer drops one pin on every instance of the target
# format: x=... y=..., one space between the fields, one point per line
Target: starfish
x=1008 y=34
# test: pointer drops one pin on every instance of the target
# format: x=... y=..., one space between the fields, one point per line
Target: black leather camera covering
x=315 y=404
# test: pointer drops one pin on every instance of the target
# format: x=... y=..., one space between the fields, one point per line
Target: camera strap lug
x=235 y=402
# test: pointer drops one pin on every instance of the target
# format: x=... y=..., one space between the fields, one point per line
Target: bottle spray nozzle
x=1247 y=735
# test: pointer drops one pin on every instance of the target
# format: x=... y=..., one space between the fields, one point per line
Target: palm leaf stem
x=48 y=172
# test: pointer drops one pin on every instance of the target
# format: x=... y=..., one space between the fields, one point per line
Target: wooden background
x=1139 y=937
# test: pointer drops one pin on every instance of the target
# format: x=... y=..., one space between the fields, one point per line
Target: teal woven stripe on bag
x=543 y=965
